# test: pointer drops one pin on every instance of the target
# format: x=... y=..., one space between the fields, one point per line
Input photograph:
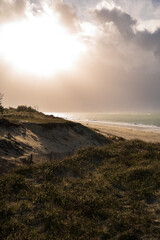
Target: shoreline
x=126 y=131
x=150 y=128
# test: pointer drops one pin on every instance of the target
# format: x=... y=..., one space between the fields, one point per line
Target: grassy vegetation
x=100 y=193
x=28 y=114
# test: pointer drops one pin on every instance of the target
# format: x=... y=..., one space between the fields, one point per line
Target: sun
x=39 y=46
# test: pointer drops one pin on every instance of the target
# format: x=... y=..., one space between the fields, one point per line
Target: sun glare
x=39 y=46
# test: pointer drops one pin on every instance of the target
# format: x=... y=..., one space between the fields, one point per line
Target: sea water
x=147 y=120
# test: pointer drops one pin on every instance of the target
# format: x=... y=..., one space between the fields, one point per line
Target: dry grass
x=110 y=192
x=28 y=114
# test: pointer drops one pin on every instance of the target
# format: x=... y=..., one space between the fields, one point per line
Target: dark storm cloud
x=149 y=41
x=126 y=26
x=124 y=68
x=122 y=20
x=156 y=2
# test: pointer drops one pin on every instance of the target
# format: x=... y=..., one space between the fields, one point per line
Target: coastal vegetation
x=28 y=135
x=23 y=114
x=110 y=192
x=1 y=106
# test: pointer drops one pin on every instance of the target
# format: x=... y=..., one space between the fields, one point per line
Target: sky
x=80 y=56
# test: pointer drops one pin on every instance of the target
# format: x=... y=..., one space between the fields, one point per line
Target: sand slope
x=19 y=141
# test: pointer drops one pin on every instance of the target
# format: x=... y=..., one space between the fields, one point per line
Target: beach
x=142 y=126
x=144 y=133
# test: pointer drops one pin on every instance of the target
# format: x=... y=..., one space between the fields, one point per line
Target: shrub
x=1 y=109
x=24 y=108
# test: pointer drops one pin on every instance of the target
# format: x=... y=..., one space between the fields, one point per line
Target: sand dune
x=23 y=143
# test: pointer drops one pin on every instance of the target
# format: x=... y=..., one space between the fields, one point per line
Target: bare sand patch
x=127 y=132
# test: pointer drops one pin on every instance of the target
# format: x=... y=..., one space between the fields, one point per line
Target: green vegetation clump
x=23 y=108
x=110 y=192
x=1 y=107
x=23 y=114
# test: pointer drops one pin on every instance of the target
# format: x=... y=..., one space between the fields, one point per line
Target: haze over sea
x=150 y=121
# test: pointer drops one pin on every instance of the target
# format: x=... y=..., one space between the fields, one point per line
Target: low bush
x=23 y=108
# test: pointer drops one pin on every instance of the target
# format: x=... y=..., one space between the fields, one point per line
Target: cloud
x=141 y=9
x=10 y=10
x=119 y=71
x=149 y=41
x=123 y=72
x=122 y=20
x=127 y=27
x=68 y=16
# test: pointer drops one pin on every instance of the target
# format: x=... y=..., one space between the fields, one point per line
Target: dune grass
x=110 y=192
x=23 y=114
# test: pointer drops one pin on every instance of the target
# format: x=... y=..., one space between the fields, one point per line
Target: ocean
x=147 y=120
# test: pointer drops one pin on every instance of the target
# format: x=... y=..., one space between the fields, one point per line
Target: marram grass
x=112 y=192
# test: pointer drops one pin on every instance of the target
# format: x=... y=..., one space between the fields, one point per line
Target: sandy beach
x=128 y=132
